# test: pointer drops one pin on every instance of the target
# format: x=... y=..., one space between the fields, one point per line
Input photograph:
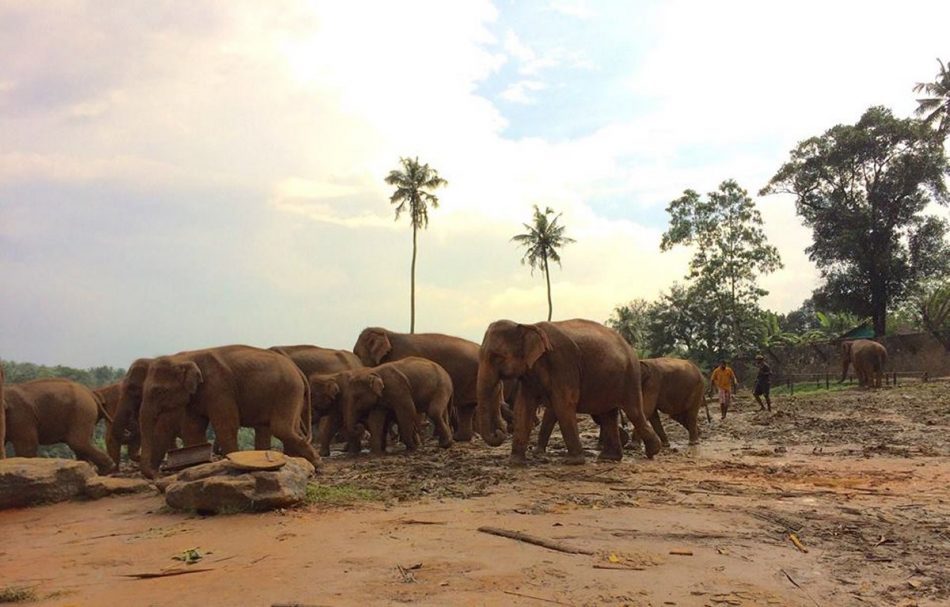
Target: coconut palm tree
x=936 y=107
x=541 y=241
x=413 y=184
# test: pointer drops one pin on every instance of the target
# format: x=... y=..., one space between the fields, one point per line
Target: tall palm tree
x=413 y=183
x=936 y=107
x=541 y=241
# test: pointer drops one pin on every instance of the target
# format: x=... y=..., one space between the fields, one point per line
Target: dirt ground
x=859 y=479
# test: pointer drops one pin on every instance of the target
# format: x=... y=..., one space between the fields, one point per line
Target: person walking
x=724 y=378
x=763 y=384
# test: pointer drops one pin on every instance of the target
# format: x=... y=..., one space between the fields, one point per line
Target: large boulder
x=27 y=481
x=223 y=487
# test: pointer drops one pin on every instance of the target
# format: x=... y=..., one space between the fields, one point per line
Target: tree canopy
x=862 y=189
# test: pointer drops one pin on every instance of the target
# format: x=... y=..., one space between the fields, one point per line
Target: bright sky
x=178 y=175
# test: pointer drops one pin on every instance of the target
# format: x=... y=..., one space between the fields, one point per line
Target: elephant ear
x=376 y=384
x=846 y=348
x=644 y=371
x=379 y=346
x=191 y=377
x=536 y=343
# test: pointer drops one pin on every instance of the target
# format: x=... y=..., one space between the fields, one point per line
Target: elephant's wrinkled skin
x=229 y=387
x=407 y=388
x=572 y=366
x=326 y=394
x=868 y=358
x=50 y=411
x=314 y=360
x=125 y=420
x=459 y=358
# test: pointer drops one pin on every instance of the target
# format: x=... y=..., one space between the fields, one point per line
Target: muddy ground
x=860 y=480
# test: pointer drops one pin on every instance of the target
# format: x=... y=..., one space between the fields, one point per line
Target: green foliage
x=632 y=321
x=716 y=313
x=935 y=108
x=862 y=189
x=17 y=373
x=541 y=241
x=339 y=495
x=772 y=332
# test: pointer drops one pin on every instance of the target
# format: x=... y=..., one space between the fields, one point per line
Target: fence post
x=827 y=382
x=791 y=388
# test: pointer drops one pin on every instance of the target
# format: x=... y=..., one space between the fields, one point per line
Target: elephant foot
x=666 y=444
x=539 y=450
x=445 y=444
x=575 y=460
x=462 y=437
x=324 y=453
x=610 y=456
x=691 y=443
x=651 y=446
x=624 y=437
x=517 y=460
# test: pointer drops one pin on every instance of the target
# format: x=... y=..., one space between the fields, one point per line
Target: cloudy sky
x=175 y=175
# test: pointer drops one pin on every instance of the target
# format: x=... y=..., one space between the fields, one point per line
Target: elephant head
x=125 y=427
x=362 y=392
x=372 y=346
x=324 y=392
x=169 y=388
x=509 y=351
x=845 y=358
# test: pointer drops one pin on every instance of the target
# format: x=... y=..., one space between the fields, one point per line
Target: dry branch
x=530 y=539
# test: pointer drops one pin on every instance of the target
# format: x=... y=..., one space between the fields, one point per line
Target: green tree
x=935 y=108
x=730 y=252
x=862 y=189
x=632 y=321
x=541 y=242
x=413 y=184
x=935 y=313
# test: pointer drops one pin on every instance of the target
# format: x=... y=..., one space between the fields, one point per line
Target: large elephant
x=229 y=387
x=406 y=388
x=3 y=418
x=50 y=411
x=572 y=366
x=317 y=361
x=868 y=358
x=459 y=357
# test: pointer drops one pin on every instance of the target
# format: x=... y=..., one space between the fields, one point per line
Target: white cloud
x=520 y=92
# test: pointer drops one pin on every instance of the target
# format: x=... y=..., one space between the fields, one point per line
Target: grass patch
x=17 y=594
x=340 y=495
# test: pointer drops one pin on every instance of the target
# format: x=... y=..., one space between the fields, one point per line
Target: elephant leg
x=524 y=410
x=134 y=449
x=692 y=425
x=194 y=431
x=79 y=439
x=548 y=419
x=113 y=447
x=262 y=438
x=295 y=444
x=326 y=430
x=633 y=407
x=377 y=425
x=658 y=428
x=610 y=436
x=26 y=446
x=464 y=430
x=438 y=415
x=225 y=420
x=571 y=435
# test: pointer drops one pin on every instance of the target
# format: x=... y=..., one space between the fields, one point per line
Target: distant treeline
x=93 y=377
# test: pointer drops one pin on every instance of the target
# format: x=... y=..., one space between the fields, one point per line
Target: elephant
x=572 y=366
x=317 y=361
x=326 y=395
x=550 y=418
x=3 y=419
x=229 y=387
x=868 y=358
x=125 y=420
x=406 y=387
x=49 y=411
x=459 y=357
x=108 y=397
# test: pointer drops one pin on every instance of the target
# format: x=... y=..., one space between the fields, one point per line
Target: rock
x=102 y=486
x=27 y=481
x=221 y=487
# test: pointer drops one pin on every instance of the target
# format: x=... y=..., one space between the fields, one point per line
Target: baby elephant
x=49 y=411
x=406 y=387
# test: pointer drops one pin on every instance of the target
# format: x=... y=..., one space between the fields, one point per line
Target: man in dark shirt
x=763 y=383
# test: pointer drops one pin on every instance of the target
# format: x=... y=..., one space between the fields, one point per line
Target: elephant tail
x=306 y=416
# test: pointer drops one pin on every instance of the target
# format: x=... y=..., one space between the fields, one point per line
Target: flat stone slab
x=104 y=486
x=28 y=481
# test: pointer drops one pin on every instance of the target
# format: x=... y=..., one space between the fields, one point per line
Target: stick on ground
x=537 y=541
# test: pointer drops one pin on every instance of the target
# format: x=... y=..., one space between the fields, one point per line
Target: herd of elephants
x=389 y=382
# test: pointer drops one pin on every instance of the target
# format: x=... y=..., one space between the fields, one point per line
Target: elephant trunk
x=157 y=438
x=844 y=368
x=123 y=424
x=488 y=412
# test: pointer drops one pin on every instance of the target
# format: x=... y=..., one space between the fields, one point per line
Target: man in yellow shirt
x=724 y=379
